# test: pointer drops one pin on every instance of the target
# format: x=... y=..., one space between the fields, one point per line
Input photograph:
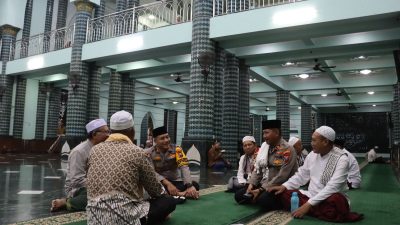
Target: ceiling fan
x=339 y=92
x=179 y=79
x=156 y=103
x=319 y=67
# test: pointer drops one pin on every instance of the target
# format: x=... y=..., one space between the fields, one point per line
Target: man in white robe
x=354 y=177
x=326 y=168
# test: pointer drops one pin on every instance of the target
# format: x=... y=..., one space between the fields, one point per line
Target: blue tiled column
x=201 y=110
x=114 y=93
x=19 y=108
x=61 y=21
x=283 y=112
x=99 y=10
x=121 y=5
x=257 y=130
x=8 y=34
x=93 y=92
x=26 y=30
x=128 y=93
x=41 y=111
x=244 y=97
x=396 y=112
x=53 y=113
x=306 y=125
x=220 y=63
x=231 y=108
x=170 y=122
x=186 y=117
x=47 y=25
x=79 y=75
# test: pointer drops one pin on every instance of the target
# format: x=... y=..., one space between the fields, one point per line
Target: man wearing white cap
x=75 y=182
x=326 y=168
x=246 y=164
x=118 y=170
x=298 y=146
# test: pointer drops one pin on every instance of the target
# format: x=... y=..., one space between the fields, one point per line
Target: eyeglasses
x=104 y=131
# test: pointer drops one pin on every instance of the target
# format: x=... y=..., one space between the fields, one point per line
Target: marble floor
x=28 y=183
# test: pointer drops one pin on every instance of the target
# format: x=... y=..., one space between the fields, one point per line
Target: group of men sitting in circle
x=117 y=182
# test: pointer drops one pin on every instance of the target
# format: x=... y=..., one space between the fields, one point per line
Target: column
x=257 y=129
x=114 y=93
x=231 y=108
x=396 y=113
x=306 y=127
x=47 y=25
x=244 y=98
x=220 y=63
x=170 y=122
x=283 y=112
x=78 y=77
x=61 y=22
x=93 y=92
x=26 y=30
x=19 y=108
x=128 y=93
x=8 y=34
x=54 y=112
x=186 y=117
x=201 y=111
x=99 y=10
x=120 y=5
x=41 y=111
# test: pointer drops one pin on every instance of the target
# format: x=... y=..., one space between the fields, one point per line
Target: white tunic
x=312 y=170
x=354 y=171
x=371 y=155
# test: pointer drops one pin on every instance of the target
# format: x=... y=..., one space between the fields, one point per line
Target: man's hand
x=192 y=193
x=172 y=190
x=303 y=210
x=249 y=188
x=255 y=193
x=277 y=189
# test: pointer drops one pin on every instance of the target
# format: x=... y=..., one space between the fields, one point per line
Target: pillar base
x=202 y=144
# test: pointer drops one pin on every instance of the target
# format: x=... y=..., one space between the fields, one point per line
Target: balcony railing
x=42 y=43
x=140 y=18
x=223 y=7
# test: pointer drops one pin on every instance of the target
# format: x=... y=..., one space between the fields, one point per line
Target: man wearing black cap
x=172 y=166
x=275 y=164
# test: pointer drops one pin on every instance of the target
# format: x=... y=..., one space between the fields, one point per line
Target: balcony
x=223 y=7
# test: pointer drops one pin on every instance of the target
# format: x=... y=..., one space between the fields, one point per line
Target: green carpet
x=213 y=209
x=378 y=199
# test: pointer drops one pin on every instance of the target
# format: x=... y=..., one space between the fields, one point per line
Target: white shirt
x=312 y=170
x=371 y=155
x=244 y=167
x=354 y=176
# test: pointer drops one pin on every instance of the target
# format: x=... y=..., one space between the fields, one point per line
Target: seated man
x=275 y=163
x=298 y=146
x=172 y=166
x=118 y=170
x=326 y=168
x=246 y=165
x=75 y=182
x=354 y=177
x=216 y=160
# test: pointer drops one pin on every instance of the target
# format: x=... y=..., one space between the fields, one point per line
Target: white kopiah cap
x=327 y=132
x=94 y=124
x=121 y=120
x=293 y=141
x=249 y=138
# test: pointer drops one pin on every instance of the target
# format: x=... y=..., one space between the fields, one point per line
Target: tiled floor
x=28 y=183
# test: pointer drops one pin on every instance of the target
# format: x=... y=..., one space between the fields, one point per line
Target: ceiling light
x=172 y=75
x=365 y=72
x=254 y=80
x=157 y=88
x=374 y=105
x=289 y=63
x=299 y=107
x=371 y=92
x=267 y=109
x=304 y=76
x=361 y=57
x=251 y=80
x=175 y=102
x=151 y=17
x=324 y=95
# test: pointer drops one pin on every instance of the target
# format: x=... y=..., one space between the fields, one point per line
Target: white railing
x=140 y=18
x=222 y=7
x=42 y=43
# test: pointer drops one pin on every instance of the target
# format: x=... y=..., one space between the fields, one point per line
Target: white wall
x=38 y=17
x=12 y=12
x=31 y=100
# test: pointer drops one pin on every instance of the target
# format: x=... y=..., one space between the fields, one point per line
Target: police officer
x=275 y=164
x=171 y=165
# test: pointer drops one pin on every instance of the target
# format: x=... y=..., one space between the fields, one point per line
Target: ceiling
x=276 y=59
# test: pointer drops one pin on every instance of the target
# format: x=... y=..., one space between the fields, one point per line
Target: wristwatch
x=189 y=185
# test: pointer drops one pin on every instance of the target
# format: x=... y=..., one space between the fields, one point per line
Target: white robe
x=354 y=171
x=312 y=170
x=371 y=155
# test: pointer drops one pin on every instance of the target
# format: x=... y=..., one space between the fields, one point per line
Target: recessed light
x=157 y=88
x=361 y=57
x=289 y=63
x=371 y=92
x=152 y=17
x=175 y=103
x=365 y=72
x=304 y=76
x=251 y=80
x=254 y=80
x=324 y=95
x=172 y=75
x=299 y=107
x=374 y=105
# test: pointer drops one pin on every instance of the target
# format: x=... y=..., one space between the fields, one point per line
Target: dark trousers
x=181 y=186
x=267 y=201
x=79 y=201
x=160 y=208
